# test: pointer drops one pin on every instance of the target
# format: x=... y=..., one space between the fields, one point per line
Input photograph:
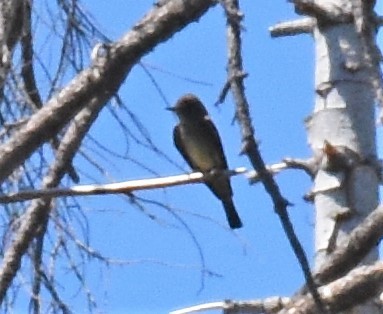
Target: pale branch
x=292 y=28
x=268 y=305
x=358 y=286
x=113 y=188
x=307 y=165
x=250 y=146
x=101 y=80
x=348 y=254
x=255 y=177
x=135 y=185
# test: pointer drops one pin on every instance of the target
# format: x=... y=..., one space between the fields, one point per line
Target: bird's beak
x=173 y=109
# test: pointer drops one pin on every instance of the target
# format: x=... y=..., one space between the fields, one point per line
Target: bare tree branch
x=113 y=188
x=348 y=254
x=360 y=285
x=37 y=214
x=250 y=146
x=268 y=305
x=291 y=28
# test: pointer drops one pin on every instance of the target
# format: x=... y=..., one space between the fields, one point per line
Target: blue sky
x=165 y=267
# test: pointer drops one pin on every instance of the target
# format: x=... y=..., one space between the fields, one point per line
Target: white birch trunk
x=343 y=115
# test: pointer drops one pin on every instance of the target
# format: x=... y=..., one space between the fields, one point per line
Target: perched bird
x=198 y=141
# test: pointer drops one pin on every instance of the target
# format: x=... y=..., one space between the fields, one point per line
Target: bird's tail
x=231 y=214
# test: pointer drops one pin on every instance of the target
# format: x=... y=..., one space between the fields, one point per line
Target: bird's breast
x=200 y=149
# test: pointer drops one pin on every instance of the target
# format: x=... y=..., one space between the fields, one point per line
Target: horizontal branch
x=254 y=176
x=269 y=305
x=146 y=184
x=113 y=188
x=291 y=28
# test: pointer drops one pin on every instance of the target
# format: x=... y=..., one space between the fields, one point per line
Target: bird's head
x=189 y=107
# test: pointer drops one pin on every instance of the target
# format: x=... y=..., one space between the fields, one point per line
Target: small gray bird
x=198 y=141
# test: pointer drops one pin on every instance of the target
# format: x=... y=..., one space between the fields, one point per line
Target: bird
x=198 y=141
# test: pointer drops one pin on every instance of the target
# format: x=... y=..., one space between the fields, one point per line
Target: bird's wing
x=180 y=146
x=220 y=187
x=215 y=139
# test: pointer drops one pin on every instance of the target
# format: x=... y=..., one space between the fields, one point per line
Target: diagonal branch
x=349 y=254
x=358 y=286
x=250 y=146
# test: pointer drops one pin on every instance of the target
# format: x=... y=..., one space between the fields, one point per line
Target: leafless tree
x=345 y=168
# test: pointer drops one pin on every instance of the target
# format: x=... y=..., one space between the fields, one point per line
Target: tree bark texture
x=344 y=117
